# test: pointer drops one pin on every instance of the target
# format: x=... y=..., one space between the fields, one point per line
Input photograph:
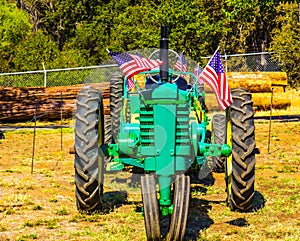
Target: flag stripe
x=181 y=64
x=214 y=75
x=133 y=64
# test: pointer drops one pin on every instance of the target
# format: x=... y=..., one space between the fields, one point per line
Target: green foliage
x=286 y=41
x=75 y=33
x=14 y=26
x=34 y=50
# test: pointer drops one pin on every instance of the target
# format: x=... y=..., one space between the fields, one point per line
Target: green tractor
x=162 y=129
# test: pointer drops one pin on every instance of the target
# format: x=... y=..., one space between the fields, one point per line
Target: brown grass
x=41 y=206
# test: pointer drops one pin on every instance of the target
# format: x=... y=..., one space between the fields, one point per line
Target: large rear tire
x=116 y=102
x=219 y=137
x=240 y=167
x=89 y=162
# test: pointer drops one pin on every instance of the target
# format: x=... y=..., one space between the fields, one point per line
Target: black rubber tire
x=150 y=205
x=89 y=136
x=107 y=128
x=181 y=207
x=116 y=102
x=107 y=138
x=242 y=177
x=219 y=136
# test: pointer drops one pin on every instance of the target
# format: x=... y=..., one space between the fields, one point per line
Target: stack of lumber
x=22 y=104
x=261 y=85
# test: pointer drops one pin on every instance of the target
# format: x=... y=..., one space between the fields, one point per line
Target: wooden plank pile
x=21 y=104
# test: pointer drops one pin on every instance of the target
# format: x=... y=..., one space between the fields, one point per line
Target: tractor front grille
x=147 y=126
x=183 y=141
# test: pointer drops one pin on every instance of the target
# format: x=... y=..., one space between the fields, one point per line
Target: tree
x=14 y=27
x=59 y=18
x=286 y=40
x=252 y=22
x=34 y=50
x=82 y=29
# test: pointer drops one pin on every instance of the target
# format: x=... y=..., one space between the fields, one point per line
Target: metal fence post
x=45 y=75
x=34 y=136
x=226 y=65
x=270 y=122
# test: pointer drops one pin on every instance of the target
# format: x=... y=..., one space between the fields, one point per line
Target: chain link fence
x=58 y=77
x=264 y=62
x=95 y=74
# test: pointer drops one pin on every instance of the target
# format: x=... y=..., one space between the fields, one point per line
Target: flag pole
x=215 y=52
x=209 y=61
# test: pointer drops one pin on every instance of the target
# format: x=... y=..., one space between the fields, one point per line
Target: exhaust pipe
x=163 y=54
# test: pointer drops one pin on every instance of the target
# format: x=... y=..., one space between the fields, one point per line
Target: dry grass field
x=41 y=206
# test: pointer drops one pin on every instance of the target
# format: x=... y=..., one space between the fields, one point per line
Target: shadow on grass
x=198 y=218
x=116 y=199
x=112 y=200
x=239 y=222
x=258 y=201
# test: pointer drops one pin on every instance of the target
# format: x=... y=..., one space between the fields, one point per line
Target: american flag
x=197 y=71
x=181 y=64
x=214 y=75
x=132 y=64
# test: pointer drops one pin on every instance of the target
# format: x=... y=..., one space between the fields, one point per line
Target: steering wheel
x=174 y=59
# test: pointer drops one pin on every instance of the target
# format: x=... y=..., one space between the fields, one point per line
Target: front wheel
x=240 y=166
x=180 y=208
x=116 y=102
x=150 y=206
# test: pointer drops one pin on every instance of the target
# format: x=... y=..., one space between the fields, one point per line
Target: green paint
x=167 y=134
